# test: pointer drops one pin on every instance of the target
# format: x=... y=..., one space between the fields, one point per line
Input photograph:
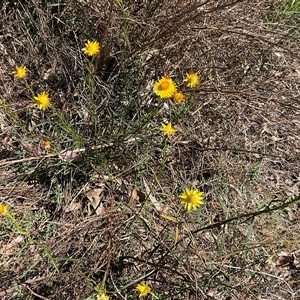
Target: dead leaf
x=170 y=218
x=94 y=196
x=74 y=206
x=47 y=74
x=136 y=195
x=176 y=235
x=133 y=197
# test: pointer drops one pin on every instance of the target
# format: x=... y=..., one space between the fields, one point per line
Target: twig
x=60 y=154
x=266 y=210
x=64 y=154
x=12 y=162
x=35 y=294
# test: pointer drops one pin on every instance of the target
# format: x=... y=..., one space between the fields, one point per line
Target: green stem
x=91 y=105
x=90 y=82
x=66 y=126
x=29 y=88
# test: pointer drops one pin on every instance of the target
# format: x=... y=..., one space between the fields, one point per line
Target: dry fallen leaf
x=74 y=206
x=94 y=196
x=136 y=195
x=176 y=237
x=170 y=218
x=133 y=197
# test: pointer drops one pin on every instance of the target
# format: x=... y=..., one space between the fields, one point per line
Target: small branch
x=35 y=294
x=250 y=215
x=60 y=154
x=12 y=162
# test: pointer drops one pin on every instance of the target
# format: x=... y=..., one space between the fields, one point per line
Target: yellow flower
x=192 y=79
x=3 y=209
x=42 y=101
x=102 y=297
x=91 y=48
x=167 y=129
x=178 y=97
x=20 y=72
x=101 y=292
x=164 y=87
x=191 y=199
x=46 y=144
x=143 y=289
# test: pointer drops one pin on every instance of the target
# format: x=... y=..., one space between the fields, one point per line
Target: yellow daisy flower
x=164 y=87
x=20 y=72
x=167 y=129
x=91 y=48
x=178 y=97
x=143 y=289
x=3 y=209
x=192 y=79
x=42 y=100
x=191 y=199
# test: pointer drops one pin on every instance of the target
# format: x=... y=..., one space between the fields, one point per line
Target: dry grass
x=238 y=141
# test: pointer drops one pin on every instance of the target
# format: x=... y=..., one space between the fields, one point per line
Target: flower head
x=164 y=87
x=143 y=289
x=42 y=100
x=46 y=144
x=3 y=209
x=192 y=79
x=178 y=97
x=191 y=199
x=167 y=129
x=20 y=72
x=91 y=48
x=101 y=292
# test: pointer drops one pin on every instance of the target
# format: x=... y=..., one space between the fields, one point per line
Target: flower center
x=164 y=85
x=193 y=198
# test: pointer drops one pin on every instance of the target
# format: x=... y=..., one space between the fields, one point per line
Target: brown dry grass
x=239 y=143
